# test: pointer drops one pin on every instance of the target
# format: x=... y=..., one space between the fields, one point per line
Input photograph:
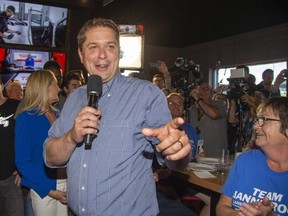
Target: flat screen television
x=19 y=70
x=18 y=58
x=40 y=25
x=131 y=51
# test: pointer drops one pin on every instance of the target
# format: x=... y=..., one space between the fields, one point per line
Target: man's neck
x=267 y=84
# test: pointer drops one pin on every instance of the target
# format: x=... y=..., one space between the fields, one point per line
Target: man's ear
x=65 y=89
x=80 y=55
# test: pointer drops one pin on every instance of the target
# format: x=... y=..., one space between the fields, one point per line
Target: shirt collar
x=108 y=86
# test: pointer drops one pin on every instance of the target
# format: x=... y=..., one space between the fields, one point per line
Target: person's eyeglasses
x=262 y=120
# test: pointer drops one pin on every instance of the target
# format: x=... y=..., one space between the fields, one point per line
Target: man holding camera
x=209 y=117
x=4 y=17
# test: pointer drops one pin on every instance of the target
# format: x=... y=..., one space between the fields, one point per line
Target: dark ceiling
x=180 y=23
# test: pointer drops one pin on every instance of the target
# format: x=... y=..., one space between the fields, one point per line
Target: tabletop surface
x=214 y=184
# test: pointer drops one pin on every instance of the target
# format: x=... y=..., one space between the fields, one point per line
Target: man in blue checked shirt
x=132 y=124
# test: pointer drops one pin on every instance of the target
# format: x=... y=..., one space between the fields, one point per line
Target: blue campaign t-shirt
x=193 y=137
x=251 y=179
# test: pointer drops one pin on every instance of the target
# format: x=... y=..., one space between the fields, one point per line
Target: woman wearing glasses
x=257 y=182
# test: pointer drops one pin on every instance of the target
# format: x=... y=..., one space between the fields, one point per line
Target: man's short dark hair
x=68 y=78
x=51 y=64
x=245 y=67
x=12 y=8
x=158 y=75
x=267 y=71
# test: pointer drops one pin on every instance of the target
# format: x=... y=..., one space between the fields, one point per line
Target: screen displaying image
x=131 y=51
x=18 y=64
x=22 y=78
x=19 y=58
x=33 y=24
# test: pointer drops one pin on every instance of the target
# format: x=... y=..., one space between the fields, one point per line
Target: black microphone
x=94 y=90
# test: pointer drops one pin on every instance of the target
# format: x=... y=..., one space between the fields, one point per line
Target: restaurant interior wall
x=261 y=46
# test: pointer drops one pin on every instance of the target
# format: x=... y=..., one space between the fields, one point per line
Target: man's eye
x=92 y=47
x=111 y=46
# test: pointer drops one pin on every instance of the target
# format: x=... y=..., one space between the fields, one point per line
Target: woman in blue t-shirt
x=257 y=183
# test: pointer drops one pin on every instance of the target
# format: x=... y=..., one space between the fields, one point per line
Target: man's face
x=9 y=13
x=205 y=91
x=268 y=78
x=74 y=84
x=16 y=92
x=101 y=53
x=158 y=81
x=176 y=106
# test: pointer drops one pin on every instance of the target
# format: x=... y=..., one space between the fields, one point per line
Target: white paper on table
x=204 y=174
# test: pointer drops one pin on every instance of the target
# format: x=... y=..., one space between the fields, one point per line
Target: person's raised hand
x=174 y=143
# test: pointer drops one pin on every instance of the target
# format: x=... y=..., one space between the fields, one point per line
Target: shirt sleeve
x=157 y=115
x=157 y=111
x=26 y=146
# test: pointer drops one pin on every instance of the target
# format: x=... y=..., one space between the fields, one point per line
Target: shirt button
x=82 y=188
x=83 y=210
x=84 y=165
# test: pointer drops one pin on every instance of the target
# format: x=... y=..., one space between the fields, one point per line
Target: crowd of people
x=28 y=187
x=240 y=121
x=141 y=131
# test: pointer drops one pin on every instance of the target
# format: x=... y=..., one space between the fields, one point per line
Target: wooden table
x=211 y=186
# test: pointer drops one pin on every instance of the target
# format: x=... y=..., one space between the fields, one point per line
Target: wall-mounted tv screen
x=15 y=64
x=18 y=58
x=131 y=51
x=33 y=24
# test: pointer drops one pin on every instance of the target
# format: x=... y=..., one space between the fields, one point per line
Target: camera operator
x=248 y=77
x=159 y=80
x=209 y=117
x=162 y=80
x=240 y=118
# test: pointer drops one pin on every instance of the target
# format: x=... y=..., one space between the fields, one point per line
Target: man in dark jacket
x=4 y=17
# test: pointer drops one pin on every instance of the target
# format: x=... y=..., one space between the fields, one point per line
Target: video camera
x=239 y=86
x=186 y=75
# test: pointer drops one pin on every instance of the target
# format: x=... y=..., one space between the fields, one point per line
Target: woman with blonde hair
x=47 y=187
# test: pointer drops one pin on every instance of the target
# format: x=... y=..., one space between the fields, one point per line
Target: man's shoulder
x=260 y=85
x=136 y=80
x=137 y=83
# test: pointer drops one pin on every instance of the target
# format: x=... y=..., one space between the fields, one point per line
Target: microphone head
x=94 y=84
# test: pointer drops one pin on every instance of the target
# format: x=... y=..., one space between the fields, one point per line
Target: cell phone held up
x=154 y=64
x=285 y=73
